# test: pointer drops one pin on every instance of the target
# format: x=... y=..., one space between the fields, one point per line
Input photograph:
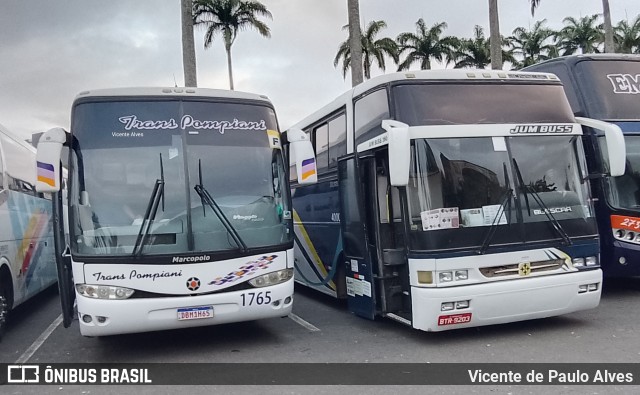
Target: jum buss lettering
x=524 y=129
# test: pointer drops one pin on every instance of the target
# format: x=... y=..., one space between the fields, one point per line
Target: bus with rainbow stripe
x=27 y=261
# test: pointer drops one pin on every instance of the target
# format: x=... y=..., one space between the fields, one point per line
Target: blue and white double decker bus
x=179 y=209
x=27 y=262
x=450 y=199
x=606 y=87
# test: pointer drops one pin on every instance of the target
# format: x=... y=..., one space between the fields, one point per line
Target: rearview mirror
x=399 y=151
x=48 y=160
x=616 y=148
x=304 y=156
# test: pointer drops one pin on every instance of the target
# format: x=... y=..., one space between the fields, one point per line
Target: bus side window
x=321 y=145
x=370 y=110
x=337 y=139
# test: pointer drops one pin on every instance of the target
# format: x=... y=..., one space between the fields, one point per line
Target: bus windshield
x=617 y=83
x=122 y=149
x=459 y=187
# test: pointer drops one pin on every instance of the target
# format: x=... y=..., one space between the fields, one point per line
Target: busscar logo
x=552 y=210
x=526 y=129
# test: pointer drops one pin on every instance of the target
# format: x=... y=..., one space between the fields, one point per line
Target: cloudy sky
x=51 y=50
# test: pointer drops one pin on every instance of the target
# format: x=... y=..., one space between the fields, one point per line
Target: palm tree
x=608 y=29
x=355 y=47
x=627 y=36
x=372 y=49
x=188 y=47
x=426 y=44
x=582 y=33
x=609 y=46
x=476 y=52
x=533 y=45
x=228 y=17
x=494 y=33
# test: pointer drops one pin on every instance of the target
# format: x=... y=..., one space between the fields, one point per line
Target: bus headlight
x=578 y=262
x=591 y=261
x=272 y=278
x=445 y=277
x=104 y=291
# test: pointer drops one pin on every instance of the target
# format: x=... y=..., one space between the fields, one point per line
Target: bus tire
x=6 y=297
x=5 y=306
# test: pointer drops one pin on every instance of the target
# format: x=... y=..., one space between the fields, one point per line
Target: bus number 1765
x=256 y=298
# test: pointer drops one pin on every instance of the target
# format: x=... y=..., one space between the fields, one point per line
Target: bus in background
x=27 y=262
x=606 y=87
x=451 y=198
x=179 y=209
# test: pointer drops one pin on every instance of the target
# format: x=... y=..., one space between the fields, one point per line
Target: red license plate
x=454 y=319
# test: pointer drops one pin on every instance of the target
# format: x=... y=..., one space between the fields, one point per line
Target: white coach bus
x=451 y=198
x=179 y=209
x=27 y=262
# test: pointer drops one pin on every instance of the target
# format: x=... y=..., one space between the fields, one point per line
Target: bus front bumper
x=500 y=302
x=155 y=314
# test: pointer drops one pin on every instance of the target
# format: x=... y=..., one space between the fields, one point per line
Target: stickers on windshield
x=491 y=212
x=440 y=218
x=274 y=139
x=472 y=217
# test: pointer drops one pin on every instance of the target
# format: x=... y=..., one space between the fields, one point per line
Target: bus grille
x=510 y=270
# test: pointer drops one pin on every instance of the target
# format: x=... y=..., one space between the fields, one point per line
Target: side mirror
x=48 y=160
x=399 y=151
x=616 y=148
x=305 y=158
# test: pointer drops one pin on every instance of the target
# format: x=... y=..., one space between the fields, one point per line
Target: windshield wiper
x=552 y=219
x=496 y=221
x=157 y=195
x=206 y=197
x=505 y=199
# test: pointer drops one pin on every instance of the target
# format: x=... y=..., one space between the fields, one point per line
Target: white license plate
x=195 y=313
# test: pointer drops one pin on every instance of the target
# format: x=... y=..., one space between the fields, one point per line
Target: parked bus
x=27 y=262
x=179 y=209
x=606 y=87
x=451 y=198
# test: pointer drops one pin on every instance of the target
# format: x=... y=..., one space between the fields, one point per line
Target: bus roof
x=480 y=76
x=171 y=91
x=573 y=59
x=19 y=156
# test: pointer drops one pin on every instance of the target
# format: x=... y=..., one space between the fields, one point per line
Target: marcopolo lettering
x=526 y=129
x=625 y=83
x=200 y=258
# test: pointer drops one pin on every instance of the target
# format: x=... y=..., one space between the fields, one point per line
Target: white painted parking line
x=39 y=341
x=303 y=323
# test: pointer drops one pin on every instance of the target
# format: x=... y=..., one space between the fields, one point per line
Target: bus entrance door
x=358 y=258
x=63 y=263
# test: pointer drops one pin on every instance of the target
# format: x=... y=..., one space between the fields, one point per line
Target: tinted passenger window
x=322 y=147
x=337 y=139
x=370 y=110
